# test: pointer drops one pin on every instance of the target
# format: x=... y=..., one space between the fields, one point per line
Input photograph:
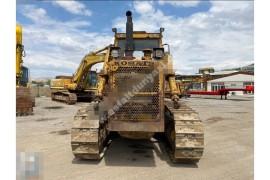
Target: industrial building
x=209 y=80
x=234 y=80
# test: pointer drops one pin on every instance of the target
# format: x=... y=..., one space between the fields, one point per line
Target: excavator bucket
x=24 y=104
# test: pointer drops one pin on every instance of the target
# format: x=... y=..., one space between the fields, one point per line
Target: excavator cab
x=25 y=77
x=92 y=79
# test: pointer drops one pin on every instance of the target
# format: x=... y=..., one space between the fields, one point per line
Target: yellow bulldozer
x=135 y=70
x=83 y=84
x=24 y=100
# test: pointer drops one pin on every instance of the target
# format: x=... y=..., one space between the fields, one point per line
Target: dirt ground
x=228 y=154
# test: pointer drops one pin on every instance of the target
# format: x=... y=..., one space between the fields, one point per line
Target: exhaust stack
x=129 y=37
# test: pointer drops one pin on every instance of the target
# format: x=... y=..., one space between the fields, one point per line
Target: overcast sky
x=57 y=34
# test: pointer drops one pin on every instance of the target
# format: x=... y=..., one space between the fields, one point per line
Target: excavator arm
x=19 y=55
x=88 y=61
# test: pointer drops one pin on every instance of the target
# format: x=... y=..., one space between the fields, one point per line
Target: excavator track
x=184 y=131
x=24 y=105
x=64 y=96
x=89 y=138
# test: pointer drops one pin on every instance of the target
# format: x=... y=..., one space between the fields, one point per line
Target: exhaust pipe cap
x=128 y=13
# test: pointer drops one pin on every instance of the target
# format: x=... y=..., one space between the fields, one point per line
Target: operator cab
x=92 y=79
x=25 y=76
x=138 y=45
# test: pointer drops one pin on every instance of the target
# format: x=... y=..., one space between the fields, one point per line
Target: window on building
x=197 y=86
x=216 y=86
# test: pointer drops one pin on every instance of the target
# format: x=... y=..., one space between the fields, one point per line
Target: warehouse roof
x=222 y=73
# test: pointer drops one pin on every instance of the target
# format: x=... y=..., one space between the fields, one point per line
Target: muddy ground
x=229 y=152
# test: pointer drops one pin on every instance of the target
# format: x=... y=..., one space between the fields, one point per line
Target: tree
x=49 y=82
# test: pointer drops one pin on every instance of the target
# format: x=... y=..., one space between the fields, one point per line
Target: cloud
x=67 y=43
x=37 y=15
x=73 y=7
x=186 y=3
x=143 y=7
x=55 y=47
x=40 y=17
x=221 y=37
x=225 y=6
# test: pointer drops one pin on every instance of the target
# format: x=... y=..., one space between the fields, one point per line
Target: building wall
x=229 y=84
x=235 y=84
x=237 y=81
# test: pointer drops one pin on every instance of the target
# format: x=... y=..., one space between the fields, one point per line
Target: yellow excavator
x=24 y=100
x=83 y=84
x=186 y=84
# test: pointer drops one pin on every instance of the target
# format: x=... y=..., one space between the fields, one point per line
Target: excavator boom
x=81 y=84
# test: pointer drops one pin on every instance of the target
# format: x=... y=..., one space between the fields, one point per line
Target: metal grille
x=127 y=77
x=143 y=106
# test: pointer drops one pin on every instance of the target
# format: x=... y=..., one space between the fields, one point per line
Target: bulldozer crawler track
x=89 y=138
x=66 y=97
x=184 y=131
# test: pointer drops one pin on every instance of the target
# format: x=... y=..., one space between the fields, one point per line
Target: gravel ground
x=229 y=144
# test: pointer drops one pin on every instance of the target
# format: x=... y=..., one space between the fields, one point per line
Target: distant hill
x=248 y=68
x=41 y=79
